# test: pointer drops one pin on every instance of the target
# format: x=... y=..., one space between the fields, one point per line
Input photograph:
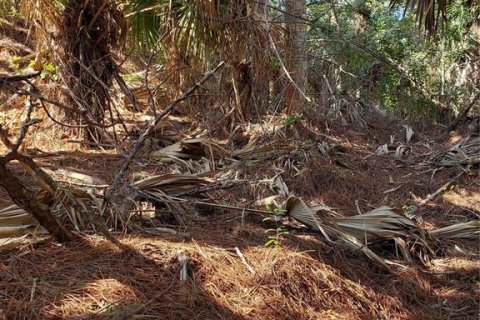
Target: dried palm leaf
x=464 y=230
x=195 y=148
x=463 y=153
x=84 y=178
x=13 y=230
x=254 y=149
x=13 y=241
x=300 y=211
x=356 y=245
x=14 y=216
x=380 y=223
x=358 y=231
x=171 y=184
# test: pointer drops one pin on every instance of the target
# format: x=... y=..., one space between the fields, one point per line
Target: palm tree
x=89 y=32
x=196 y=33
x=82 y=37
x=432 y=13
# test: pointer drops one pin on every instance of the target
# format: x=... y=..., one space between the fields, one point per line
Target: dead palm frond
x=194 y=148
x=10 y=231
x=171 y=184
x=380 y=223
x=300 y=211
x=465 y=153
x=464 y=230
x=361 y=232
x=14 y=215
x=164 y=189
x=14 y=221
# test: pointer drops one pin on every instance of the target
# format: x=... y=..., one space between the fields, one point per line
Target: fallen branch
x=20 y=194
x=25 y=199
x=16 y=78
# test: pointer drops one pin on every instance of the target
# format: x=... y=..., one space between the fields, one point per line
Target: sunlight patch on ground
x=464 y=198
x=98 y=297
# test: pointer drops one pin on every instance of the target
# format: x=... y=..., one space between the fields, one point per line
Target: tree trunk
x=295 y=55
x=89 y=31
x=26 y=200
x=261 y=80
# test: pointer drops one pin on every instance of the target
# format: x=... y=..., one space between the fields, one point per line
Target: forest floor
x=230 y=273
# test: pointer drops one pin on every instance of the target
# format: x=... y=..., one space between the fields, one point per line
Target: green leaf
x=270 y=242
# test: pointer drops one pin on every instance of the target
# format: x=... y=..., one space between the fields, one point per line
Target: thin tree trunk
x=295 y=55
x=261 y=80
x=26 y=200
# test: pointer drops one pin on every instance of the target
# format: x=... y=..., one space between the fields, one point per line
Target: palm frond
x=465 y=152
x=360 y=232
x=14 y=215
x=171 y=184
x=464 y=230
x=431 y=14
x=380 y=223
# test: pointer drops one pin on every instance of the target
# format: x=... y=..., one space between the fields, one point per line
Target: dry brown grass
x=98 y=282
x=81 y=282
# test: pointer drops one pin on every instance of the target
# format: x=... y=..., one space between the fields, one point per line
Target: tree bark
x=295 y=55
x=26 y=200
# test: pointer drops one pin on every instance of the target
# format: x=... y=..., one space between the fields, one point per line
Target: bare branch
x=141 y=140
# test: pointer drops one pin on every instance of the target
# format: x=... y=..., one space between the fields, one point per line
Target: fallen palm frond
x=301 y=212
x=195 y=148
x=377 y=224
x=171 y=184
x=166 y=134
x=82 y=177
x=25 y=239
x=360 y=231
x=255 y=150
x=163 y=188
x=13 y=230
x=464 y=230
x=465 y=152
x=383 y=224
x=14 y=215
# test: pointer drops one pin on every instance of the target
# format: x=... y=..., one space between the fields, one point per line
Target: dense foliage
x=364 y=50
x=388 y=61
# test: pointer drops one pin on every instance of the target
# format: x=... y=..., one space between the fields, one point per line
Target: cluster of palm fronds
x=465 y=153
x=193 y=28
x=431 y=14
x=194 y=34
x=369 y=231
